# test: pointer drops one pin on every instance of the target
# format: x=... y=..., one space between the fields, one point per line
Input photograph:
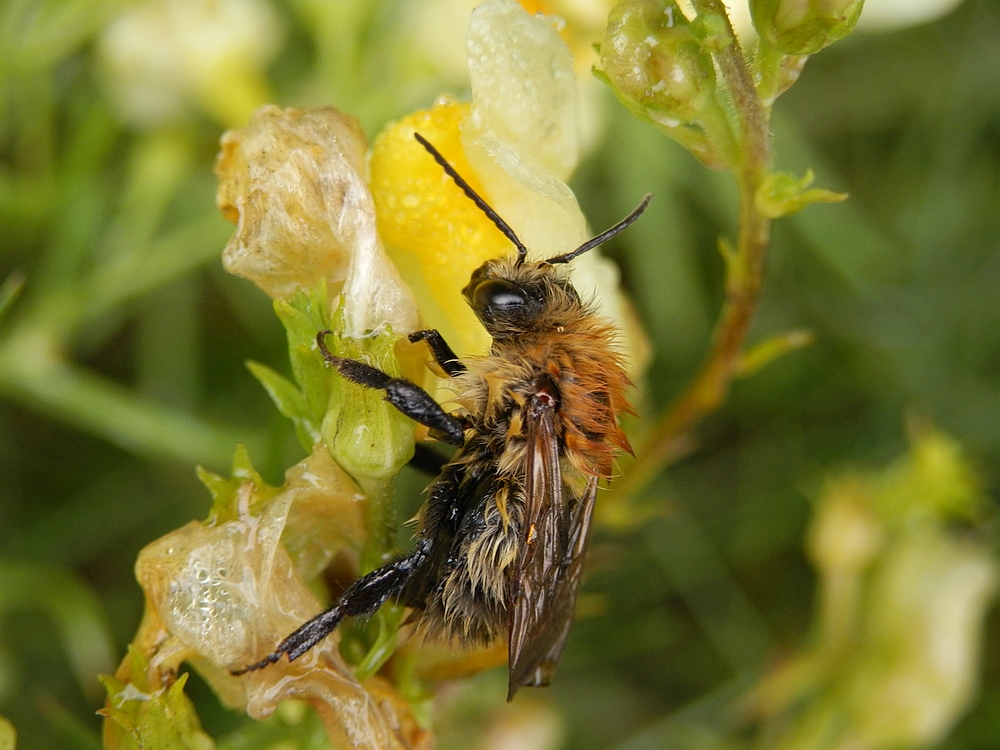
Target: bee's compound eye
x=498 y=295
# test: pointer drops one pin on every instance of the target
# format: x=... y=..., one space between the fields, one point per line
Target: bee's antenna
x=606 y=235
x=492 y=215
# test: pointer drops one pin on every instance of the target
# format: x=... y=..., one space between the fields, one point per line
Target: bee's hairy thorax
x=579 y=363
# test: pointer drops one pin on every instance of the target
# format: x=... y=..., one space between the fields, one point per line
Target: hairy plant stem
x=744 y=275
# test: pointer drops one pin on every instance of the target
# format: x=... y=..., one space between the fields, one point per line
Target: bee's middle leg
x=409 y=398
x=363 y=597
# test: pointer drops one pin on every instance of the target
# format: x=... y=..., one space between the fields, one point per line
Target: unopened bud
x=655 y=61
x=803 y=27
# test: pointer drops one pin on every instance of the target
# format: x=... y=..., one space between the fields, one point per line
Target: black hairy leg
x=444 y=355
x=363 y=597
x=409 y=398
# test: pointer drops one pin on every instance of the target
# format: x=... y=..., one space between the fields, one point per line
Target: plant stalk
x=744 y=275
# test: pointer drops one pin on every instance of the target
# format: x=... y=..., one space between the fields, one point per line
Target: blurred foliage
x=122 y=346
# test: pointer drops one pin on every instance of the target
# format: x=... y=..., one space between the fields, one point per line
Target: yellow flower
x=517 y=145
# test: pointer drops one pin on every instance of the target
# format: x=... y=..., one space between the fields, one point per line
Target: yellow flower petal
x=436 y=235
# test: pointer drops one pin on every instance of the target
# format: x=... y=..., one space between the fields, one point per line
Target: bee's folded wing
x=550 y=559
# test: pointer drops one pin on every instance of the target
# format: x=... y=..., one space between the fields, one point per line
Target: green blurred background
x=121 y=363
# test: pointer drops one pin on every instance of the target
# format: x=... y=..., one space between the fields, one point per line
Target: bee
x=503 y=532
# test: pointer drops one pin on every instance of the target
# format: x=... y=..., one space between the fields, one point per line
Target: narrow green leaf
x=216 y=484
x=10 y=290
x=313 y=378
x=303 y=317
x=767 y=351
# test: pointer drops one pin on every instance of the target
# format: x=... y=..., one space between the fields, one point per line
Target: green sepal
x=227 y=493
x=143 y=718
x=291 y=402
x=303 y=317
x=781 y=194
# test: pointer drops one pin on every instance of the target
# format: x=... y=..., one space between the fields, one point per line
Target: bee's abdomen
x=469 y=604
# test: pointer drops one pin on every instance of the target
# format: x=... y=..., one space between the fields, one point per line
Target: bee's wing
x=551 y=555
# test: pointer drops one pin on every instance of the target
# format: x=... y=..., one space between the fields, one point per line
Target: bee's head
x=512 y=298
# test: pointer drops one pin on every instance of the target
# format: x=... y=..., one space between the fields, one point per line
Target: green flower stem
x=744 y=274
x=380 y=522
x=31 y=372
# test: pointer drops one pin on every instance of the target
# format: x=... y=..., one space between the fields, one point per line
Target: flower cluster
x=902 y=598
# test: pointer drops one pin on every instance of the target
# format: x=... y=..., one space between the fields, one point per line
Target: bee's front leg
x=409 y=398
x=363 y=597
x=444 y=355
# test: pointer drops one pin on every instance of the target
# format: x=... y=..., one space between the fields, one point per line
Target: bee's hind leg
x=363 y=597
x=409 y=398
